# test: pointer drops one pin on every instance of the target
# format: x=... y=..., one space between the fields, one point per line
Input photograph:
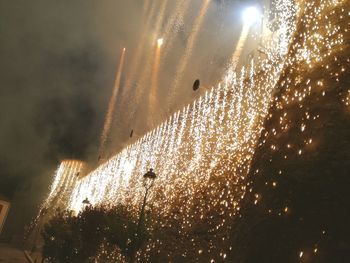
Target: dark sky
x=57 y=68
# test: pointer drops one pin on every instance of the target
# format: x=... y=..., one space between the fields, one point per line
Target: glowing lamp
x=251 y=15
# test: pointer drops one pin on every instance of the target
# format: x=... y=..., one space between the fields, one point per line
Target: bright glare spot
x=251 y=15
x=160 y=42
x=128 y=167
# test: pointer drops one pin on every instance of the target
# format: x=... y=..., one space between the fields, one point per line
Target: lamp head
x=86 y=201
x=150 y=175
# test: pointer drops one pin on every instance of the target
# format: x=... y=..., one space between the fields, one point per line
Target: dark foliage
x=69 y=238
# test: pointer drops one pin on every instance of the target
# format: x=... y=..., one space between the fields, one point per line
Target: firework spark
x=135 y=65
x=189 y=47
x=111 y=105
x=152 y=97
x=240 y=46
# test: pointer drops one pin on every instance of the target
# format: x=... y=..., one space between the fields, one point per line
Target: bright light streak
x=135 y=64
x=240 y=46
x=143 y=76
x=177 y=15
x=152 y=97
x=181 y=67
x=111 y=106
x=160 y=42
x=251 y=15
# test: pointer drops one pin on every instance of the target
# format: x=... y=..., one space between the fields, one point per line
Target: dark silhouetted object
x=86 y=201
x=150 y=174
x=196 y=84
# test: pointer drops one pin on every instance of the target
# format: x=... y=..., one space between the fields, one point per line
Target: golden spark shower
x=203 y=152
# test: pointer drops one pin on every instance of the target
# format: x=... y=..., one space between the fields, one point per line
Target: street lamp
x=148 y=182
x=148 y=179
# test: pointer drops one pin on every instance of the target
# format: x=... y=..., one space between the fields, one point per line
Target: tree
x=87 y=236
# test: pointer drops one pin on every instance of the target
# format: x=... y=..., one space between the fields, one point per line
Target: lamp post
x=148 y=182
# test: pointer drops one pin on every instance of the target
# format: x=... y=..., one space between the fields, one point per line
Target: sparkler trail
x=188 y=49
x=136 y=58
x=150 y=60
x=240 y=46
x=178 y=15
x=135 y=64
x=160 y=20
x=111 y=105
x=66 y=176
x=152 y=97
x=145 y=7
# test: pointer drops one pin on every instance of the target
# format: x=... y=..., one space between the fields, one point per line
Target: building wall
x=65 y=179
x=4 y=208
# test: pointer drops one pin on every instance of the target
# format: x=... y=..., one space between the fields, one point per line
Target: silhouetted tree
x=87 y=236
